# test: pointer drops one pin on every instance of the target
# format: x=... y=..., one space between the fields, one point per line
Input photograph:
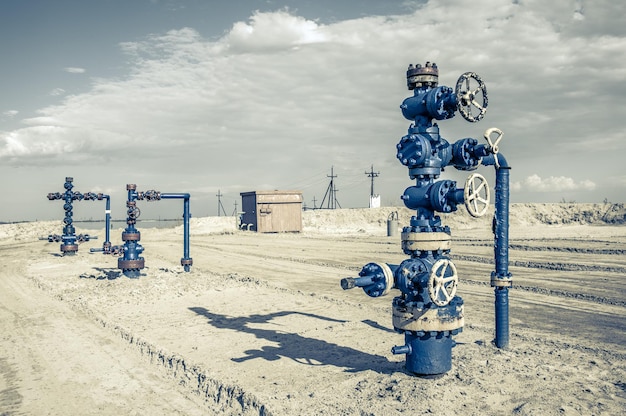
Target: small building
x=272 y=211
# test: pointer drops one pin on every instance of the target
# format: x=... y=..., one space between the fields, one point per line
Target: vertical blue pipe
x=502 y=222
x=502 y=317
x=501 y=233
x=106 y=246
x=186 y=233
x=107 y=219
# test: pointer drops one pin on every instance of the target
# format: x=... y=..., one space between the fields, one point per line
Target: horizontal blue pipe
x=491 y=160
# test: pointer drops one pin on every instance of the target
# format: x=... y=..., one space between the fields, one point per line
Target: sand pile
x=362 y=220
x=26 y=231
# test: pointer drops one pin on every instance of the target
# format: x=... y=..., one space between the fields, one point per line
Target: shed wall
x=272 y=211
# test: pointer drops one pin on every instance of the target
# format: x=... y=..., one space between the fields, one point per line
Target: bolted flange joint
x=376 y=279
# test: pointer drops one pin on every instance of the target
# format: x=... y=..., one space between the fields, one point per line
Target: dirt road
x=55 y=360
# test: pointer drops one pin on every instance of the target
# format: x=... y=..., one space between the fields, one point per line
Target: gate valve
x=81 y=238
x=92 y=196
x=151 y=195
x=410 y=279
x=133 y=212
x=117 y=250
x=55 y=238
x=440 y=196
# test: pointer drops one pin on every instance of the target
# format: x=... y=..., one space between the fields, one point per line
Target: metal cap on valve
x=418 y=75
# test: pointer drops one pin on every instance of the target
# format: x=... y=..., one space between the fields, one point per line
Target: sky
x=208 y=97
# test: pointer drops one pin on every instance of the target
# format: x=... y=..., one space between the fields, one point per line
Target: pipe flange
x=426 y=241
x=69 y=248
x=186 y=262
x=130 y=264
x=498 y=281
x=131 y=236
x=416 y=319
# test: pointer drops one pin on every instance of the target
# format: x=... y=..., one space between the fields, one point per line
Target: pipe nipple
x=404 y=349
x=348 y=283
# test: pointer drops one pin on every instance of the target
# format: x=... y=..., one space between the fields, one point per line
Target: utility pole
x=235 y=210
x=372 y=174
x=374 y=199
x=314 y=200
x=220 y=207
x=331 y=192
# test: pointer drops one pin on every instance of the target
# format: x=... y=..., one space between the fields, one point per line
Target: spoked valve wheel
x=471 y=95
x=442 y=282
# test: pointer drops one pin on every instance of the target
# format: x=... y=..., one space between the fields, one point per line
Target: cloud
x=74 y=70
x=273 y=31
x=281 y=96
x=10 y=113
x=534 y=183
x=57 y=92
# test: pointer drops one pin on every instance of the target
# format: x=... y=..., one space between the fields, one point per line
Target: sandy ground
x=260 y=326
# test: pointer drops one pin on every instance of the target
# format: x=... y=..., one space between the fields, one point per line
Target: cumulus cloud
x=535 y=183
x=267 y=31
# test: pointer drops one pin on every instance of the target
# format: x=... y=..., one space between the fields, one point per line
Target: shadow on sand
x=109 y=274
x=308 y=351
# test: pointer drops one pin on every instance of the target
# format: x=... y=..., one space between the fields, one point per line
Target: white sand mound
x=374 y=220
x=26 y=231
x=209 y=225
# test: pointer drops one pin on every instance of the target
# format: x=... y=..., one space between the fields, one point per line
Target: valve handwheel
x=476 y=195
x=442 y=282
x=471 y=99
x=134 y=213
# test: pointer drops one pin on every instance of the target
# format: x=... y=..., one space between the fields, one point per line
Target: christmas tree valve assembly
x=428 y=312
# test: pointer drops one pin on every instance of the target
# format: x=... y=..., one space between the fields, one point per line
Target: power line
x=220 y=207
x=372 y=174
x=331 y=192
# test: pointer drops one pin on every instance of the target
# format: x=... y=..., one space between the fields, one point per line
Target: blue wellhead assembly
x=69 y=240
x=428 y=312
x=131 y=261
